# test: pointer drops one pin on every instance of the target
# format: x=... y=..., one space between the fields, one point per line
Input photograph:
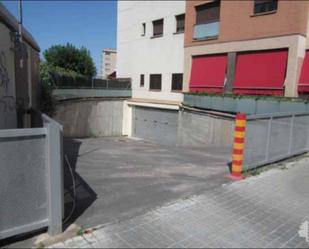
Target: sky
x=86 y=23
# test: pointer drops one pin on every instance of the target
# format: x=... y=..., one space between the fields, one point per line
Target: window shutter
x=208 y=12
x=180 y=22
x=158 y=27
x=155 y=81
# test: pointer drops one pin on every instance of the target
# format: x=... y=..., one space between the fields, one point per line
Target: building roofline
x=12 y=23
x=109 y=50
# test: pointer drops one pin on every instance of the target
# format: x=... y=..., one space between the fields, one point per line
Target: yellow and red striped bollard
x=238 y=146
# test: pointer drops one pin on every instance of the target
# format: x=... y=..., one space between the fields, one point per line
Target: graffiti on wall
x=7 y=102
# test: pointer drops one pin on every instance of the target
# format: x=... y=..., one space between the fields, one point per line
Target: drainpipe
x=20 y=22
x=26 y=116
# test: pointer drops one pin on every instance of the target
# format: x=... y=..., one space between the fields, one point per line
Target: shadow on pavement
x=84 y=194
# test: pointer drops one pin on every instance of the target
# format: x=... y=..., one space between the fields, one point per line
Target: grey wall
x=200 y=129
x=89 y=118
x=23 y=182
x=182 y=128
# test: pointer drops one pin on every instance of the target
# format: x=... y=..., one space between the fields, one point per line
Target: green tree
x=71 y=58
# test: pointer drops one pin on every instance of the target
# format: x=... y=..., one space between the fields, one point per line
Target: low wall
x=90 y=117
x=197 y=129
x=246 y=104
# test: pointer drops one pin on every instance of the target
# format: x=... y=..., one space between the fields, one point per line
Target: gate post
x=54 y=164
x=238 y=147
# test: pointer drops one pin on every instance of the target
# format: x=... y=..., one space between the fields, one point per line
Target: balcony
x=206 y=30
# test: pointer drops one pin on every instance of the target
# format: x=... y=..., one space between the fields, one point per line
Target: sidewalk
x=261 y=211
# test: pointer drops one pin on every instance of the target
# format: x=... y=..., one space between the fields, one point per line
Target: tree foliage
x=71 y=59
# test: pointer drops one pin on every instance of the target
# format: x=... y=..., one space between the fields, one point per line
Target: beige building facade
x=108 y=62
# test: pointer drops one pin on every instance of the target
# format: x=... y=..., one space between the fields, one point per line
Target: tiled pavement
x=262 y=211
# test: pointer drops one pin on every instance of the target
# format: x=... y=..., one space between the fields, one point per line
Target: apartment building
x=108 y=62
x=249 y=47
x=150 y=45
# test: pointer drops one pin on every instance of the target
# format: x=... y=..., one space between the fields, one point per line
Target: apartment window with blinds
x=264 y=6
x=157 y=28
x=208 y=13
x=177 y=82
x=142 y=80
x=155 y=82
x=180 y=23
x=207 y=20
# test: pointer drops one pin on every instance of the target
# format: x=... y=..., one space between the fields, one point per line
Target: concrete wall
x=182 y=127
x=19 y=86
x=87 y=118
x=200 y=129
x=137 y=54
x=165 y=125
x=7 y=81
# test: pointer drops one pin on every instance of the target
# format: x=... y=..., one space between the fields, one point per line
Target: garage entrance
x=153 y=124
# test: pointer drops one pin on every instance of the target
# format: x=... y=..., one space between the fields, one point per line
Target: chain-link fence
x=274 y=137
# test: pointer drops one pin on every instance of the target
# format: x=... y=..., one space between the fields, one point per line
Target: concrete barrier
x=91 y=117
x=199 y=129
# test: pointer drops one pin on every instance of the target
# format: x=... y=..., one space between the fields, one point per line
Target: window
x=107 y=53
x=261 y=6
x=143 y=29
x=207 y=20
x=155 y=81
x=208 y=13
x=177 y=82
x=157 y=27
x=180 y=23
x=142 y=80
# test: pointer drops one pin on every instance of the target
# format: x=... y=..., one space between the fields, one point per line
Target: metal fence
x=77 y=93
x=108 y=84
x=31 y=179
x=273 y=137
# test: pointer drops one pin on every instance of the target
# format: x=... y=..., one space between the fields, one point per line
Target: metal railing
x=273 y=137
x=107 y=84
x=206 y=30
x=31 y=179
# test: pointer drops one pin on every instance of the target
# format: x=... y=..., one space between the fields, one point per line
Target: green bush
x=71 y=58
x=248 y=96
x=47 y=100
x=56 y=76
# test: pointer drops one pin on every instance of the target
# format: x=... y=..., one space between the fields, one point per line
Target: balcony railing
x=207 y=30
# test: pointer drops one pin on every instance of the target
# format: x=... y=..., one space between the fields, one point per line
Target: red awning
x=260 y=72
x=208 y=73
x=303 y=85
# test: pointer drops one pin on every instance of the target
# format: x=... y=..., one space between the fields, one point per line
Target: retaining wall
x=90 y=117
x=201 y=129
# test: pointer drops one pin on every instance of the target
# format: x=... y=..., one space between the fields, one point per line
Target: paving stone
x=258 y=212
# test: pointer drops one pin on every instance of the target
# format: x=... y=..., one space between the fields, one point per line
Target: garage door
x=157 y=125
